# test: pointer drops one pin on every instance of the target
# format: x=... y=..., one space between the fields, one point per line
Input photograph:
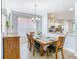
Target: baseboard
x=72 y=51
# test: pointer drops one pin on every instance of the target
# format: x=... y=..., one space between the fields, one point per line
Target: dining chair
x=31 y=33
x=29 y=41
x=33 y=44
x=36 y=47
x=57 y=46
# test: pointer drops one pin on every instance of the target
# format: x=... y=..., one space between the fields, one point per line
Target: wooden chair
x=31 y=33
x=57 y=46
x=29 y=41
x=32 y=44
x=36 y=47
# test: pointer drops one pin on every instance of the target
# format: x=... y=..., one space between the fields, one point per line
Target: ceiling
x=50 y=6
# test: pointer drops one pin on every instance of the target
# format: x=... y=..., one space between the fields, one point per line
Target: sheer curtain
x=25 y=25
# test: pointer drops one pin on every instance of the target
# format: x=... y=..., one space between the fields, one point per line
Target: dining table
x=44 y=40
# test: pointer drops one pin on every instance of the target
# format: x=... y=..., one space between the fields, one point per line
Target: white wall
x=66 y=27
x=3 y=24
x=70 y=43
x=44 y=23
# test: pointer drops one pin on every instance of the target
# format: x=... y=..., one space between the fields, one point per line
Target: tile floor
x=26 y=54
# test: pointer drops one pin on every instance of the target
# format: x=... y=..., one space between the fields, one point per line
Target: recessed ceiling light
x=71 y=9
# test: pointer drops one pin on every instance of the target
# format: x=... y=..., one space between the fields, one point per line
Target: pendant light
x=35 y=18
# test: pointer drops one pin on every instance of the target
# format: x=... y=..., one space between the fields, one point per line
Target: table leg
x=41 y=51
x=56 y=53
x=62 y=54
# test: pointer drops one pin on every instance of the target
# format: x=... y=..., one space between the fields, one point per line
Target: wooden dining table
x=44 y=41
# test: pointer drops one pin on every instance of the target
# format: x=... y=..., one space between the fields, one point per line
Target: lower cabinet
x=11 y=48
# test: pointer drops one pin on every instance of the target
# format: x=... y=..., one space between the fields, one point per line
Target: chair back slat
x=60 y=41
x=30 y=33
x=28 y=37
